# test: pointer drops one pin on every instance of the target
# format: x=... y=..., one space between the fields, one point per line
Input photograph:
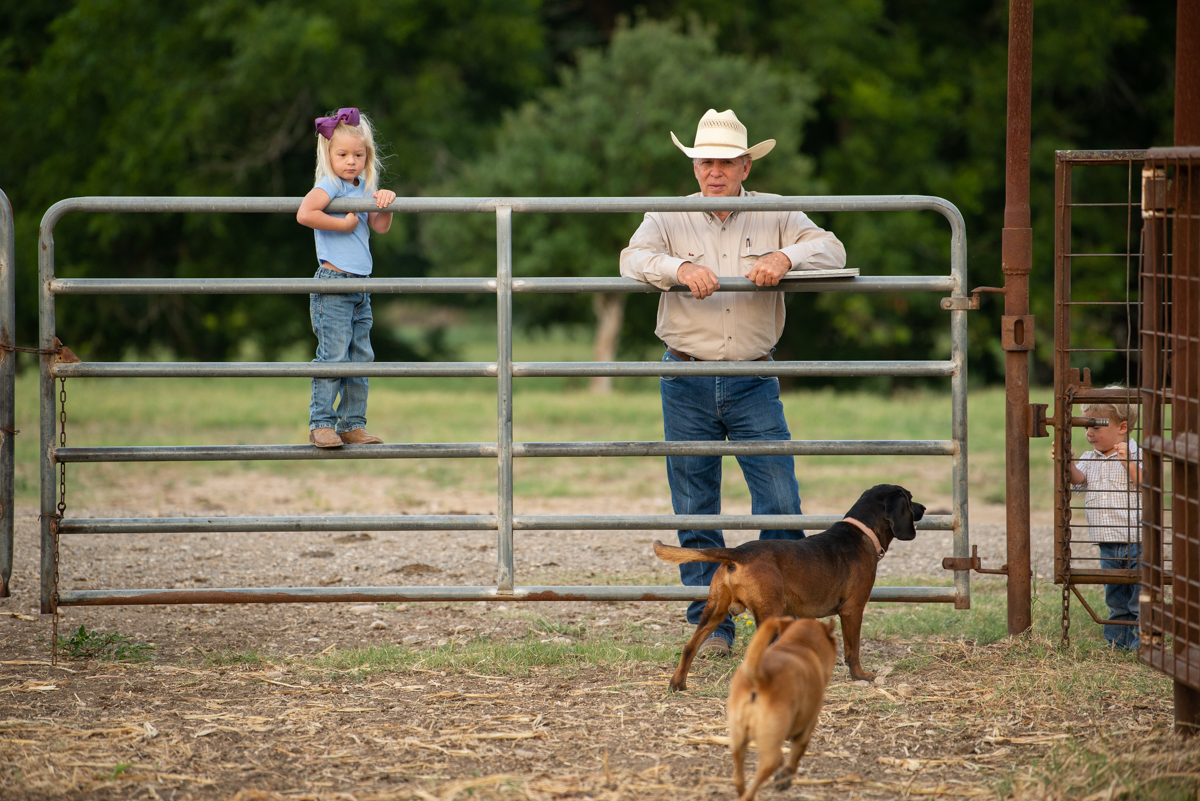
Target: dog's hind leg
x=738 y=740
x=715 y=610
x=770 y=757
x=799 y=746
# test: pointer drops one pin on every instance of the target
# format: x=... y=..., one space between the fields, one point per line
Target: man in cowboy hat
x=697 y=249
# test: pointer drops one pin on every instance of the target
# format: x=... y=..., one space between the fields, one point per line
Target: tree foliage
x=602 y=131
x=215 y=97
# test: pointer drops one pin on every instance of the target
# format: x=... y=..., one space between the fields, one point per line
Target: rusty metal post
x=1186 y=324
x=1016 y=257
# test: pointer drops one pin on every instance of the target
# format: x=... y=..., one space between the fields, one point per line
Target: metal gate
x=1169 y=612
x=1097 y=309
x=56 y=455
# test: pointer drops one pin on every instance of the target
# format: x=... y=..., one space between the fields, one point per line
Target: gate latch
x=1037 y=421
x=971 y=562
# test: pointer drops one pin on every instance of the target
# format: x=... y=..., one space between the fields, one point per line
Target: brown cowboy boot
x=324 y=438
x=359 y=436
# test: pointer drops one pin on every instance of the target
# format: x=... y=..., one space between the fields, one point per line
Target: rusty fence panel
x=1097 y=360
x=57 y=367
x=8 y=379
x=1169 y=611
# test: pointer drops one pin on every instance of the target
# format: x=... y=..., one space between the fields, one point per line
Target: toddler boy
x=1110 y=476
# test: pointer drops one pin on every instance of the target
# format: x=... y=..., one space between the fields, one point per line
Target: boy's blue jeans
x=719 y=408
x=342 y=324
x=1122 y=599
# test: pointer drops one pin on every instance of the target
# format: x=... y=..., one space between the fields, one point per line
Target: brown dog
x=830 y=573
x=777 y=694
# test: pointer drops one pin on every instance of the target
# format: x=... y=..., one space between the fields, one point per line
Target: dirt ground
x=194 y=722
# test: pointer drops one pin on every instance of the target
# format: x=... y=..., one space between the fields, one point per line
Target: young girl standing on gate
x=347 y=166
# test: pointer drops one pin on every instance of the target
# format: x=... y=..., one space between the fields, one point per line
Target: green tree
x=603 y=131
x=217 y=97
x=912 y=100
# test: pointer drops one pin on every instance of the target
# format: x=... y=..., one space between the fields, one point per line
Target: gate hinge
x=1038 y=420
x=1016 y=332
x=971 y=303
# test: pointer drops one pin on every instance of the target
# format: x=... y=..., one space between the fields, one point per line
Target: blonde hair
x=1115 y=412
x=365 y=134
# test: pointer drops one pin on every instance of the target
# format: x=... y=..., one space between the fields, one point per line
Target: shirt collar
x=712 y=218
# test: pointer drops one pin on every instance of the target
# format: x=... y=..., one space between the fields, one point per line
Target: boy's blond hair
x=1115 y=412
x=364 y=133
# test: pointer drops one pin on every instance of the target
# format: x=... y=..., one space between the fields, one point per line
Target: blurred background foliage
x=553 y=97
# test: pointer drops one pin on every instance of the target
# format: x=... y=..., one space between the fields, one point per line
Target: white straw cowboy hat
x=722 y=136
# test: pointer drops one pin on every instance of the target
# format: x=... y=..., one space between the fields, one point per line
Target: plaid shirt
x=1113 y=502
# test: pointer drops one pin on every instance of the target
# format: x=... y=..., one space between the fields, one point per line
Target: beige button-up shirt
x=725 y=326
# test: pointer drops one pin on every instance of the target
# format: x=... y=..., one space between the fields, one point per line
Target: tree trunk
x=610 y=314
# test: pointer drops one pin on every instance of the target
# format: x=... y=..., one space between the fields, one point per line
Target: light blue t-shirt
x=347 y=251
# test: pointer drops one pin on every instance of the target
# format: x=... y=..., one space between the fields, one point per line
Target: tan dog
x=777 y=694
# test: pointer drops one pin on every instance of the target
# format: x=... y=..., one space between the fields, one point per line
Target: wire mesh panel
x=1097 y=419
x=1170 y=390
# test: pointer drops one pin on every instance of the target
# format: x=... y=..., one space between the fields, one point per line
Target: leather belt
x=687 y=357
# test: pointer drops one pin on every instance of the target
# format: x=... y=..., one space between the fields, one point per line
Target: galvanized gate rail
x=8 y=381
x=504 y=450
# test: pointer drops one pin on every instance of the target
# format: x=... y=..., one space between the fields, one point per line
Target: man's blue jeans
x=719 y=408
x=1122 y=599
x=342 y=324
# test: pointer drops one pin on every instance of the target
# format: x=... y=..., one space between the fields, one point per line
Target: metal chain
x=1063 y=446
x=1066 y=614
x=62 y=507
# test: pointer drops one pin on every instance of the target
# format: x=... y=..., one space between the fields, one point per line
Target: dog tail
x=674 y=555
x=771 y=628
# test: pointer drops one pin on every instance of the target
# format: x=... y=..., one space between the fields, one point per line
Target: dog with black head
x=830 y=573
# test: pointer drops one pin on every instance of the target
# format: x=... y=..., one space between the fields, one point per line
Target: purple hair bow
x=327 y=125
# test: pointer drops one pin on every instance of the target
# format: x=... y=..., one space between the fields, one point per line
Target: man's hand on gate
x=698 y=278
x=768 y=270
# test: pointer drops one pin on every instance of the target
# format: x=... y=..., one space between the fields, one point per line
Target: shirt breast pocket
x=752 y=253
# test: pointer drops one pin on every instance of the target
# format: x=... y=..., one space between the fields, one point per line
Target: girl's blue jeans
x=719 y=408
x=1122 y=599
x=342 y=324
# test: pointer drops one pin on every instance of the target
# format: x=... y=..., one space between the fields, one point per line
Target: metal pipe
x=8 y=384
x=47 y=409
x=281 y=453
x=907 y=283
x=183 y=525
x=488 y=450
x=275 y=370
x=575 y=205
x=675 y=522
x=505 y=574
x=270 y=286
x=961 y=546
x=1017 y=261
x=425 y=286
x=793 y=369
x=273 y=595
x=489 y=369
